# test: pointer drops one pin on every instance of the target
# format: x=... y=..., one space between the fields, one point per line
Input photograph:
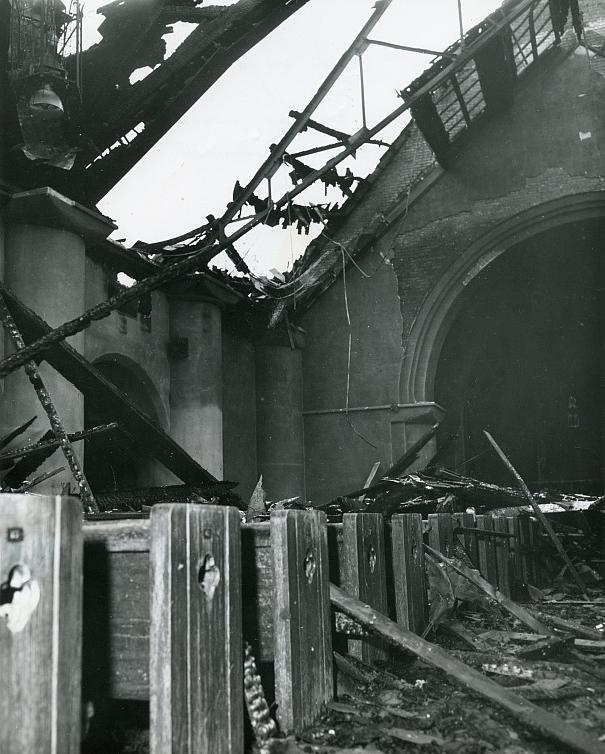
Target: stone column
x=45 y=236
x=279 y=420
x=196 y=379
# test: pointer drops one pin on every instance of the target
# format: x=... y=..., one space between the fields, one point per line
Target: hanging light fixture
x=46 y=103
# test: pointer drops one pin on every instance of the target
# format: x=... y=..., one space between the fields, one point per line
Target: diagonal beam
x=99 y=390
x=33 y=374
x=166 y=94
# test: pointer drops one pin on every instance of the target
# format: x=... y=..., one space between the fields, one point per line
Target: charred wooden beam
x=166 y=94
x=100 y=391
x=136 y=499
x=408 y=458
x=36 y=447
x=46 y=401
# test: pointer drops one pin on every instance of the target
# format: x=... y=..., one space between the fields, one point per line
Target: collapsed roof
x=119 y=122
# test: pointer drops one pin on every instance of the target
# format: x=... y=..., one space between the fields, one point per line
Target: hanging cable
x=346 y=300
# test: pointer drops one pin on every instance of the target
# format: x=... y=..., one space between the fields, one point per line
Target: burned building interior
x=354 y=506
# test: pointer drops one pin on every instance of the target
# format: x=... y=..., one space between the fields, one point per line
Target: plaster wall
x=239 y=413
x=147 y=349
x=45 y=268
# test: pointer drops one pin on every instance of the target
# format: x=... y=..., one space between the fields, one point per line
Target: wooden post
x=40 y=624
x=408 y=571
x=525 y=549
x=516 y=572
x=502 y=556
x=301 y=612
x=472 y=547
x=364 y=574
x=196 y=662
x=487 y=551
x=441 y=533
x=537 y=549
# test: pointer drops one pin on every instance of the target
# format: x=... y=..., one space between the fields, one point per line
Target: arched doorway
x=117 y=462
x=523 y=360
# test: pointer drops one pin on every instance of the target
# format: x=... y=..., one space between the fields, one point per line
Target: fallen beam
x=540 y=516
x=99 y=390
x=36 y=447
x=513 y=608
x=408 y=458
x=534 y=717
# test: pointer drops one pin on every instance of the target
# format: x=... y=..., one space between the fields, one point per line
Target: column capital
x=48 y=208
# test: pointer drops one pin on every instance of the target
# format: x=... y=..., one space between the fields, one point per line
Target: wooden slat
x=364 y=573
x=116 y=622
x=302 y=626
x=516 y=571
x=408 y=571
x=118 y=536
x=41 y=662
x=527 y=574
x=487 y=551
x=257 y=590
x=502 y=555
x=537 y=547
x=196 y=661
x=472 y=547
x=441 y=532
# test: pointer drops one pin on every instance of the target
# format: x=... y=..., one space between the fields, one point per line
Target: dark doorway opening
x=523 y=359
x=114 y=462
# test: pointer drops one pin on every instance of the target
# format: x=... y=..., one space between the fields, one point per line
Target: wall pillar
x=279 y=420
x=44 y=266
x=196 y=380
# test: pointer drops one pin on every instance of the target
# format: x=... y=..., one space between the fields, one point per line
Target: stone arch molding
x=436 y=314
x=142 y=377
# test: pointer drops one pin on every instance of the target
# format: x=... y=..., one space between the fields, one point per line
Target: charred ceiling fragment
x=117 y=122
x=129 y=119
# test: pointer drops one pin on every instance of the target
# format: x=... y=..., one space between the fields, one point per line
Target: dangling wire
x=346 y=299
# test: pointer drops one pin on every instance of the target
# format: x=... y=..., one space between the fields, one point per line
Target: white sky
x=225 y=136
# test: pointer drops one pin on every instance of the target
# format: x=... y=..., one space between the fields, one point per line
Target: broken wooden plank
x=459 y=630
x=196 y=646
x=408 y=571
x=364 y=573
x=517 y=610
x=546 y=648
x=534 y=717
x=370 y=478
x=570 y=626
x=301 y=616
x=540 y=516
